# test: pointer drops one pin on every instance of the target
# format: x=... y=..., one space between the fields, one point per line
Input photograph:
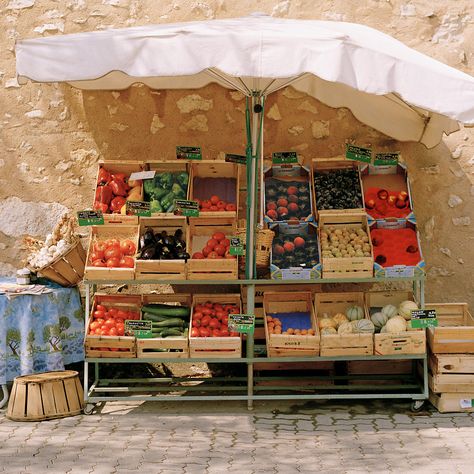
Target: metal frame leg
x=250 y=346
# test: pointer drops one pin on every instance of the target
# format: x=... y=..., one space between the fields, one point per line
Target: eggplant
x=148 y=252
x=183 y=255
x=178 y=235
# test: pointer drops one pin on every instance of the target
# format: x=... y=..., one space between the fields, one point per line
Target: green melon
x=379 y=319
x=354 y=313
x=390 y=310
x=363 y=326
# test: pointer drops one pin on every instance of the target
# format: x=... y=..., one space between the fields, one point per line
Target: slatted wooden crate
x=342 y=344
x=173 y=269
x=390 y=371
x=286 y=345
x=453 y=402
x=451 y=373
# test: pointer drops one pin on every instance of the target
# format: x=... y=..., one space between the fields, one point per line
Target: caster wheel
x=417 y=405
x=89 y=408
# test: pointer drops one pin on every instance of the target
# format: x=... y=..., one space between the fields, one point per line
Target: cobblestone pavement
x=217 y=438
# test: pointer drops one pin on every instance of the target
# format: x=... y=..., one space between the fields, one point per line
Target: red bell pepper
x=119 y=188
x=117 y=203
x=100 y=206
x=104 y=176
x=104 y=194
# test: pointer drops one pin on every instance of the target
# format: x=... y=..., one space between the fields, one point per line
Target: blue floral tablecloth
x=39 y=333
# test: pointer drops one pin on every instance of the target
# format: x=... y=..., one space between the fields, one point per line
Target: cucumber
x=170 y=323
x=171 y=332
x=167 y=310
x=154 y=317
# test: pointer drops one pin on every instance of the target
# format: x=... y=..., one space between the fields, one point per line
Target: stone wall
x=52 y=135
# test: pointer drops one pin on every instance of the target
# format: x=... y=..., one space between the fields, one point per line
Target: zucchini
x=170 y=323
x=154 y=317
x=166 y=310
x=171 y=332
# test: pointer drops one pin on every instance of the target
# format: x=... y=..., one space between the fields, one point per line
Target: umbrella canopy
x=388 y=86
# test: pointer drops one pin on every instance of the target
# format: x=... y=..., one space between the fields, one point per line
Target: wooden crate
x=462 y=402
x=179 y=344
x=379 y=367
x=342 y=344
x=123 y=346
x=350 y=267
x=451 y=383
x=215 y=347
x=452 y=363
x=126 y=167
x=161 y=269
x=286 y=345
x=200 y=231
x=455 y=332
x=207 y=180
x=104 y=232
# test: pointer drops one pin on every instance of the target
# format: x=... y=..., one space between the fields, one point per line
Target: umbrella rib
x=224 y=79
x=285 y=84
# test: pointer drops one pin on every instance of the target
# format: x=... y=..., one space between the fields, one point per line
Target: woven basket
x=263 y=244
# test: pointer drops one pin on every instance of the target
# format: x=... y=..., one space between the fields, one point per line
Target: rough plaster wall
x=51 y=136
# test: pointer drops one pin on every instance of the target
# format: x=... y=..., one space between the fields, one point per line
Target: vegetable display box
x=105 y=326
x=208 y=243
x=288 y=195
x=162 y=242
x=291 y=328
x=397 y=251
x=390 y=311
x=295 y=252
x=455 y=331
x=209 y=336
x=111 y=253
x=346 y=249
x=169 y=314
x=387 y=193
x=215 y=185
x=336 y=185
x=344 y=324
x=171 y=182
x=114 y=189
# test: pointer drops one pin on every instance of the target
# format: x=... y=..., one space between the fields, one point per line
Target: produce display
x=287 y=199
x=114 y=190
x=344 y=242
x=295 y=251
x=218 y=246
x=383 y=203
x=395 y=247
x=113 y=253
x=162 y=246
x=290 y=324
x=338 y=189
x=110 y=321
x=167 y=320
x=215 y=204
x=353 y=321
x=162 y=190
x=393 y=319
x=211 y=320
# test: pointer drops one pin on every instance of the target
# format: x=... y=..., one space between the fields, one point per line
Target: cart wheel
x=89 y=408
x=417 y=405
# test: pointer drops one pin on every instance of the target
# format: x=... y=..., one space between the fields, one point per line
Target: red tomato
x=128 y=247
x=220 y=250
x=198 y=307
x=92 y=332
x=225 y=333
x=112 y=243
x=100 y=307
x=208 y=304
x=225 y=320
x=213 y=255
x=99 y=314
x=211 y=243
x=234 y=334
x=114 y=349
x=127 y=262
x=214 y=199
x=231 y=207
x=195 y=332
x=113 y=312
x=110 y=323
x=113 y=262
x=214 y=323
x=205 y=320
x=94 y=325
x=204 y=332
x=112 y=252
x=220 y=315
x=134 y=315
x=214 y=208
x=225 y=242
x=99 y=255
x=98 y=263
x=196 y=323
x=99 y=246
x=206 y=310
x=120 y=329
x=197 y=315
x=101 y=321
x=198 y=255
x=206 y=251
x=113 y=331
x=121 y=314
x=216 y=333
x=221 y=205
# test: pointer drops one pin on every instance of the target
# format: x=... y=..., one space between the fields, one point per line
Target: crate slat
x=440 y=383
x=452 y=364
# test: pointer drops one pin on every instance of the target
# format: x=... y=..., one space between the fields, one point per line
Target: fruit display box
x=295 y=252
x=295 y=312
x=334 y=229
x=397 y=251
x=328 y=305
x=215 y=185
x=171 y=182
x=215 y=347
x=173 y=347
x=111 y=346
x=200 y=231
x=336 y=185
x=102 y=235
x=288 y=195
x=160 y=269
x=107 y=187
x=455 y=331
x=387 y=193
x=412 y=341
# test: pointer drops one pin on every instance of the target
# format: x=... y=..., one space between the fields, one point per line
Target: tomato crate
x=127 y=168
x=290 y=345
x=175 y=347
x=351 y=266
x=200 y=230
x=215 y=347
x=455 y=331
x=325 y=169
x=111 y=346
x=102 y=233
x=216 y=178
x=170 y=177
x=172 y=269
x=330 y=304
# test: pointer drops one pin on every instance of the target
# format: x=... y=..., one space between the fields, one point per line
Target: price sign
x=90 y=218
x=356 y=153
x=139 y=329
x=424 y=318
x=243 y=323
x=186 y=208
x=188 y=153
x=138 y=208
x=284 y=157
x=384 y=159
x=142 y=175
x=239 y=159
x=236 y=247
x=466 y=403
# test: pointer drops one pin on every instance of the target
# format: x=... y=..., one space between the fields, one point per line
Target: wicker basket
x=67 y=269
x=263 y=244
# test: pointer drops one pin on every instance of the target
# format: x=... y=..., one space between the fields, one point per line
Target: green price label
x=139 y=329
x=357 y=153
x=236 y=247
x=138 y=208
x=188 y=153
x=384 y=159
x=284 y=157
x=424 y=318
x=186 y=208
x=90 y=218
x=239 y=159
x=243 y=323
